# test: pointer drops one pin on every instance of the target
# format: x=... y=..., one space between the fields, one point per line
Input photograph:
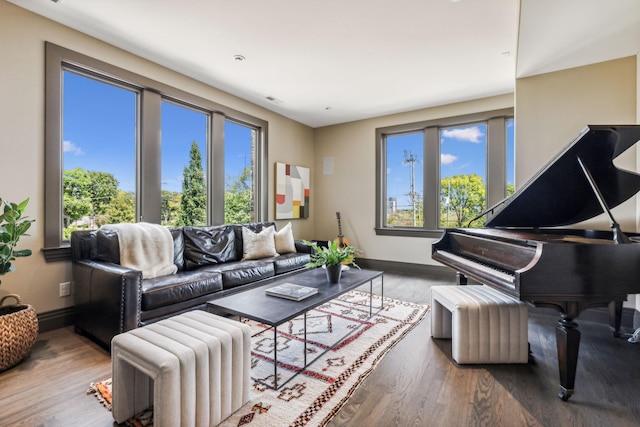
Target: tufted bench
x=486 y=325
x=194 y=368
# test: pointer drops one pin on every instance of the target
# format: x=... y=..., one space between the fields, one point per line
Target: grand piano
x=524 y=251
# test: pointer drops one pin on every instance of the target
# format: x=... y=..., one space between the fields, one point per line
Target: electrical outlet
x=65 y=289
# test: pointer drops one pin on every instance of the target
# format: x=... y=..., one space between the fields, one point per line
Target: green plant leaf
x=23 y=205
x=12 y=227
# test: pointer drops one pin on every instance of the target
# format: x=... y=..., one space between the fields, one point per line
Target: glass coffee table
x=273 y=311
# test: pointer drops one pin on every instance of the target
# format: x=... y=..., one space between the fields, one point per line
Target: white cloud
x=471 y=134
x=447 y=159
x=70 y=147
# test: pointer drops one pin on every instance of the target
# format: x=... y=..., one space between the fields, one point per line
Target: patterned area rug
x=316 y=394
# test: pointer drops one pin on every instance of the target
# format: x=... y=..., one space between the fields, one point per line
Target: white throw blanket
x=145 y=247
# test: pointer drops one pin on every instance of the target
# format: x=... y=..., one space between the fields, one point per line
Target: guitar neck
x=341 y=240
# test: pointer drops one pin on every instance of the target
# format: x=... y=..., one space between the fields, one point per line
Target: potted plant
x=332 y=257
x=18 y=322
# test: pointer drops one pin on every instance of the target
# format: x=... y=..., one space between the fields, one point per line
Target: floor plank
x=416 y=384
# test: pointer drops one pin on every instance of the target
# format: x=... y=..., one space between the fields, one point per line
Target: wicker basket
x=18 y=331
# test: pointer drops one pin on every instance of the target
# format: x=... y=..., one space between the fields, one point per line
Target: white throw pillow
x=284 y=240
x=258 y=245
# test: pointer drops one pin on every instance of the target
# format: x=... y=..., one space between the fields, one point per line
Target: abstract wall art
x=292 y=191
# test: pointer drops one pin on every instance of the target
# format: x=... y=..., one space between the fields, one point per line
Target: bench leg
x=134 y=364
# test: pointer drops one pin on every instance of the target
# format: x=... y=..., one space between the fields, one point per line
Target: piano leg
x=568 y=343
x=615 y=317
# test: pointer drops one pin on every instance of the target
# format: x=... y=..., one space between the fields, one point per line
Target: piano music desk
x=486 y=325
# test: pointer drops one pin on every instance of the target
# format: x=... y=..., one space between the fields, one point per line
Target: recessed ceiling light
x=239 y=58
x=274 y=99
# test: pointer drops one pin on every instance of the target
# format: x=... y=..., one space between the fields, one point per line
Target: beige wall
x=552 y=108
x=22 y=38
x=351 y=189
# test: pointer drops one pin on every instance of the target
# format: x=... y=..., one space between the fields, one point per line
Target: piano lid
x=560 y=193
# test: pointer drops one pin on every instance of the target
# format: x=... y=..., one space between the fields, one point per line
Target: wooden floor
x=416 y=384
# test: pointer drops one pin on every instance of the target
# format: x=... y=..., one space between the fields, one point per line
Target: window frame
x=148 y=177
x=496 y=167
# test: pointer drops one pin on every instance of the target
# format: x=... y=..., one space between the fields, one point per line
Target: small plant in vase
x=18 y=322
x=333 y=257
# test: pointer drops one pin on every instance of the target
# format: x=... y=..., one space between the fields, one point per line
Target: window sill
x=62 y=253
x=409 y=232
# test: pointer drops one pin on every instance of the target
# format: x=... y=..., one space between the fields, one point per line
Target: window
x=121 y=147
x=239 y=198
x=463 y=171
x=99 y=153
x=444 y=173
x=183 y=166
x=404 y=192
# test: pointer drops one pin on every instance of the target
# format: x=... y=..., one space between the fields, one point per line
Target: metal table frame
x=254 y=304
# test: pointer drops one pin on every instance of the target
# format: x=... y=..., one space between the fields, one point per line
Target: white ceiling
x=335 y=61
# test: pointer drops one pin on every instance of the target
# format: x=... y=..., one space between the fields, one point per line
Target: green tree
x=237 y=199
x=194 y=195
x=121 y=209
x=76 y=196
x=170 y=210
x=87 y=193
x=462 y=198
x=75 y=208
x=104 y=189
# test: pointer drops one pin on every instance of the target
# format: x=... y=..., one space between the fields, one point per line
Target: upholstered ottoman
x=486 y=325
x=194 y=368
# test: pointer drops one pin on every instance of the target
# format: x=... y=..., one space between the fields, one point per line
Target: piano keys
x=524 y=252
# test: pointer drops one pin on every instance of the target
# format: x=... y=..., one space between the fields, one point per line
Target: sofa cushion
x=284 y=240
x=258 y=245
x=208 y=245
x=256 y=227
x=84 y=245
x=179 y=287
x=241 y=272
x=108 y=246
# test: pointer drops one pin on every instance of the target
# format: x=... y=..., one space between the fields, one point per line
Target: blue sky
x=100 y=134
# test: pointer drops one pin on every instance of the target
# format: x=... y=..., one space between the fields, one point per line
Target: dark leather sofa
x=112 y=299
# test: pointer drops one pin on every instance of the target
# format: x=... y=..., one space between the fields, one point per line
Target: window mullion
x=431 y=178
x=496 y=160
x=216 y=172
x=148 y=158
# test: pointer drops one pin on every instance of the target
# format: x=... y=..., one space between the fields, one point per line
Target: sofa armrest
x=302 y=247
x=108 y=298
